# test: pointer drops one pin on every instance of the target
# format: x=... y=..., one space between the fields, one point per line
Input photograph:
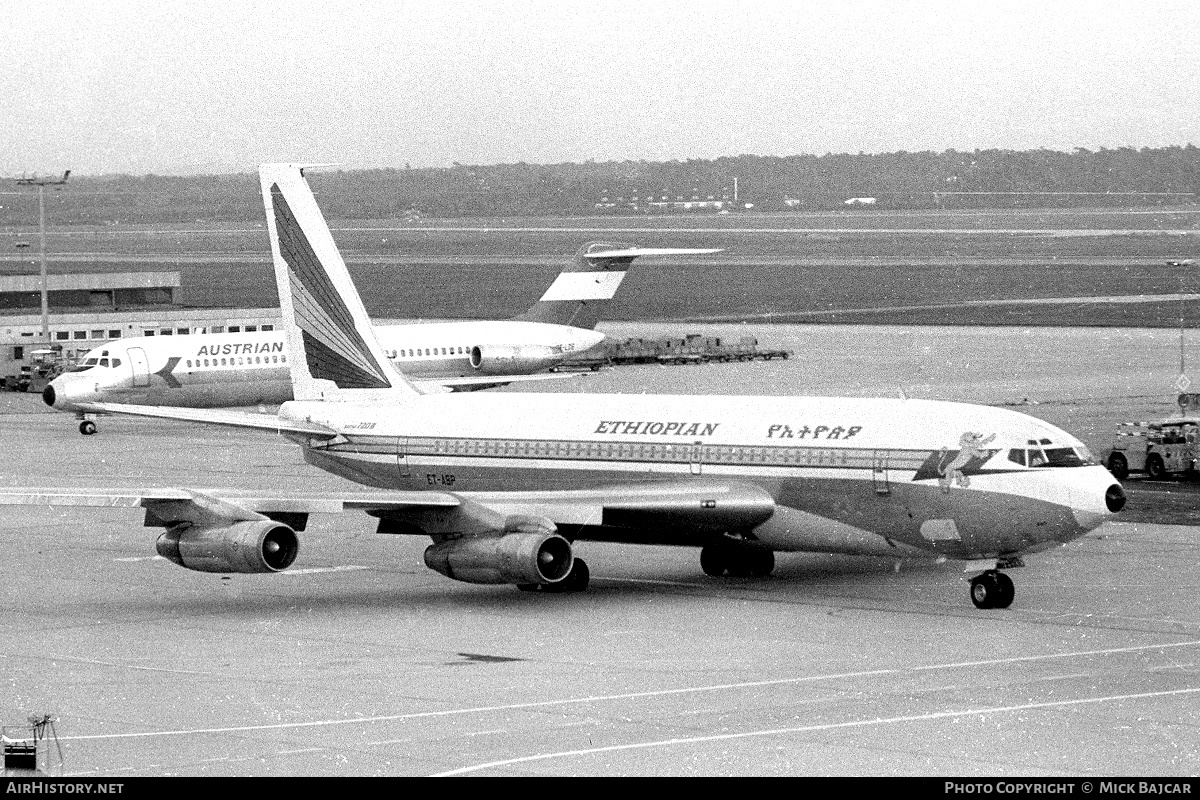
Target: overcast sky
x=178 y=88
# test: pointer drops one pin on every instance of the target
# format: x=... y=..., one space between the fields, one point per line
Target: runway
x=360 y=661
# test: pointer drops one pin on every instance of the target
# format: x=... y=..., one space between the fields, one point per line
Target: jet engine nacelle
x=513 y=359
x=512 y=558
x=258 y=546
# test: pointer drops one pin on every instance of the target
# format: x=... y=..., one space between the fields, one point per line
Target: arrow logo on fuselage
x=165 y=373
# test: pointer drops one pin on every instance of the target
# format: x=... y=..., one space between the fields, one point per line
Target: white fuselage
x=873 y=476
x=244 y=369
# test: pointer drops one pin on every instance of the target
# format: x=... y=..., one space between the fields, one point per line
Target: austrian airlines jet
x=220 y=370
x=505 y=483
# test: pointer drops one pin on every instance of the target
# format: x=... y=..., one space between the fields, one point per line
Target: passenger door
x=140 y=366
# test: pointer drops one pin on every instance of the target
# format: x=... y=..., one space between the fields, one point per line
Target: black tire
x=578 y=578
x=1118 y=465
x=762 y=563
x=576 y=581
x=712 y=561
x=1005 y=591
x=87 y=427
x=984 y=590
x=1155 y=469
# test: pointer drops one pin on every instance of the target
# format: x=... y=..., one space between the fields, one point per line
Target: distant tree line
x=979 y=178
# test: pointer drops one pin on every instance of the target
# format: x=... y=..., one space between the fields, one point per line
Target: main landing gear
x=737 y=560
x=992 y=589
x=87 y=427
x=576 y=581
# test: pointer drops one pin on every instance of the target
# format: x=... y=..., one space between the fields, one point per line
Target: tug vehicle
x=1158 y=449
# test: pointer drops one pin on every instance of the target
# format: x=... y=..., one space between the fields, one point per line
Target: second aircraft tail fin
x=334 y=354
x=591 y=280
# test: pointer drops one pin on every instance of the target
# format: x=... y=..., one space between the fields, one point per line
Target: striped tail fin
x=591 y=280
x=334 y=352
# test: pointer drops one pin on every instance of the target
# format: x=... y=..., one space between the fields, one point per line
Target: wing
x=475 y=382
x=238 y=505
x=661 y=512
x=501 y=537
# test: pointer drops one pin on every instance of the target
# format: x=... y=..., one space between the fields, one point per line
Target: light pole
x=42 y=183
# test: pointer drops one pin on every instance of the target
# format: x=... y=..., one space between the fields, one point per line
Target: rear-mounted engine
x=512 y=359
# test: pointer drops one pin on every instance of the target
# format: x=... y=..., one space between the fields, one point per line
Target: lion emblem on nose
x=970 y=445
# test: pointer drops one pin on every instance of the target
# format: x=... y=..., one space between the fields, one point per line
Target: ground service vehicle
x=1159 y=449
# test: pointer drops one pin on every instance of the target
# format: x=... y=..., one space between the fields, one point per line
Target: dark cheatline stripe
x=335 y=351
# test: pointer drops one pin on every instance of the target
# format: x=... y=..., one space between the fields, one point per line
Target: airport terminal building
x=87 y=310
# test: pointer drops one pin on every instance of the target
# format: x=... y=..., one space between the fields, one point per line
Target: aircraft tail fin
x=580 y=292
x=334 y=354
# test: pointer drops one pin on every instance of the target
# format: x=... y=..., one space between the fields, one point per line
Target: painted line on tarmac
x=691 y=585
x=624 y=696
x=316 y=570
x=970 y=712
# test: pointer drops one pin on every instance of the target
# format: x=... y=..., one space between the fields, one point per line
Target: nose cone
x=1114 y=498
x=1095 y=497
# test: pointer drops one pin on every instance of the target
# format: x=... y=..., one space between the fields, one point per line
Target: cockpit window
x=1017 y=456
x=87 y=364
x=1054 y=457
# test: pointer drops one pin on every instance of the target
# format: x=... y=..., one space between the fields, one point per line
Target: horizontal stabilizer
x=211 y=416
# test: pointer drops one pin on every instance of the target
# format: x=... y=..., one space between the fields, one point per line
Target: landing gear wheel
x=1118 y=466
x=744 y=561
x=712 y=561
x=1007 y=592
x=992 y=589
x=87 y=427
x=576 y=581
x=762 y=563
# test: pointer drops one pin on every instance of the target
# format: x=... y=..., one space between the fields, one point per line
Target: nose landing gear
x=87 y=427
x=992 y=589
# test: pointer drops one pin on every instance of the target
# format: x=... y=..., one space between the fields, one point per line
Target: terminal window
x=251 y=328
x=218 y=328
x=96 y=335
x=235 y=329
x=80 y=334
x=182 y=331
x=62 y=335
x=268 y=327
x=114 y=334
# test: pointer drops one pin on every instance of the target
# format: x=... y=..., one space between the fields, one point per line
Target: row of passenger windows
x=105 y=334
x=236 y=362
x=851 y=458
x=427 y=351
x=646 y=451
x=209 y=329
